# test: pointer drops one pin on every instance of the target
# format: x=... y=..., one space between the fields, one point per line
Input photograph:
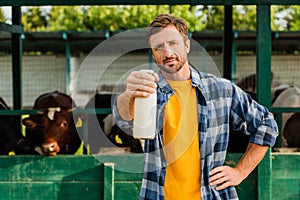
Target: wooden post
x=263 y=72
x=109 y=178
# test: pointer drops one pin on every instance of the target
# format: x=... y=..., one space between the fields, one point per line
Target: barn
x=109 y=176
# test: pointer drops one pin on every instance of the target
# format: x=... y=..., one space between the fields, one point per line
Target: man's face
x=169 y=49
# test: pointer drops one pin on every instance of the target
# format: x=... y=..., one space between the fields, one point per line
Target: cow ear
x=29 y=123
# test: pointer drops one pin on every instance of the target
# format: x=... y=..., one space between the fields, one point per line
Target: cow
x=291 y=131
x=290 y=97
x=103 y=132
x=53 y=130
x=11 y=136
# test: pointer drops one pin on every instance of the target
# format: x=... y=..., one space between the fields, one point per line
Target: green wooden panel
x=85 y=176
x=69 y=167
x=247 y=190
x=50 y=190
x=66 y=190
x=39 y=168
x=286 y=176
x=127 y=190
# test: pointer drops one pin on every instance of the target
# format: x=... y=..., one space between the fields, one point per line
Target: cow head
x=56 y=127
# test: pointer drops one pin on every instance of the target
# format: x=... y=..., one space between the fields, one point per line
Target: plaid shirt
x=221 y=104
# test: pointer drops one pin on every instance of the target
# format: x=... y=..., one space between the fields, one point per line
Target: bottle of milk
x=144 y=122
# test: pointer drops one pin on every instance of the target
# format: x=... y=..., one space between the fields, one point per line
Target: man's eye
x=160 y=47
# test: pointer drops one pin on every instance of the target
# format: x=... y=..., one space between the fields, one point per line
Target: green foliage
x=198 y=18
x=63 y=18
x=76 y=18
x=34 y=19
x=213 y=17
x=294 y=20
x=281 y=17
x=244 y=18
x=2 y=17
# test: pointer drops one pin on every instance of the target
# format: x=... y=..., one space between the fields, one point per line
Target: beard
x=171 y=68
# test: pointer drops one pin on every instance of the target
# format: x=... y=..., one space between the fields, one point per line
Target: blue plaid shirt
x=220 y=104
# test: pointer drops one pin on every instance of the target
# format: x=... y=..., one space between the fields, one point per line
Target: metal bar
x=279 y=122
x=233 y=63
x=11 y=28
x=68 y=56
x=147 y=2
x=264 y=91
x=16 y=48
x=285 y=110
x=227 y=42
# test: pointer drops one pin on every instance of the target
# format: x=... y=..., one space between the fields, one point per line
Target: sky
x=7 y=11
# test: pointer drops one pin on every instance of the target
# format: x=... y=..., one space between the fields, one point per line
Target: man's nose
x=168 y=51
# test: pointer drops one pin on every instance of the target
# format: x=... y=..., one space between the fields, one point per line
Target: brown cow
x=53 y=130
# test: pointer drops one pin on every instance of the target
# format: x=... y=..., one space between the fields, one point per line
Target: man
x=195 y=112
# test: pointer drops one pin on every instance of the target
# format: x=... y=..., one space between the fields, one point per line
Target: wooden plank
x=285 y=176
x=127 y=190
x=50 y=190
x=28 y=168
x=109 y=181
x=286 y=189
x=263 y=71
x=124 y=190
x=69 y=167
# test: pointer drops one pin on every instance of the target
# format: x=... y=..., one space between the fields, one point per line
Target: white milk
x=145 y=115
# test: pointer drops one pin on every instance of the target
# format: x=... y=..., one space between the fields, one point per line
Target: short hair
x=163 y=20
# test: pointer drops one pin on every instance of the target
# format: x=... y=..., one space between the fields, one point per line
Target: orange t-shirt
x=181 y=144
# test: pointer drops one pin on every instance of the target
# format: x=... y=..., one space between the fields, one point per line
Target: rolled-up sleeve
x=251 y=118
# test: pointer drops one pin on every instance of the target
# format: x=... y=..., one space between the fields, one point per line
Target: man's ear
x=29 y=123
x=188 y=45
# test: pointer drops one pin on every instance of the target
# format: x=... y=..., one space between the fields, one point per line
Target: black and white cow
x=290 y=97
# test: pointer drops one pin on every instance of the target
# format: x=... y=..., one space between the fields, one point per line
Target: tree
x=244 y=18
x=281 y=18
x=293 y=21
x=212 y=17
x=2 y=16
x=67 y=18
x=124 y=17
x=34 y=19
x=102 y=18
x=77 y=18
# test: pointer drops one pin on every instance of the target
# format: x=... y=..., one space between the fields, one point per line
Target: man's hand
x=138 y=84
x=225 y=176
